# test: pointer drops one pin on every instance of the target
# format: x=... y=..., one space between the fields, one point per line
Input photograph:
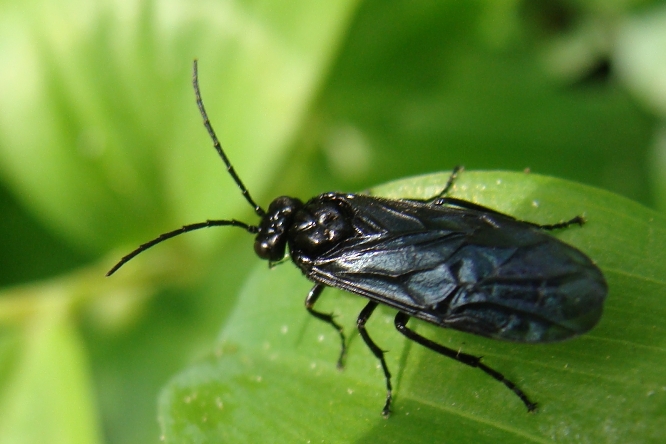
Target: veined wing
x=465 y=269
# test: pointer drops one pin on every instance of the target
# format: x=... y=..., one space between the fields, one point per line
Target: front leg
x=378 y=352
x=310 y=300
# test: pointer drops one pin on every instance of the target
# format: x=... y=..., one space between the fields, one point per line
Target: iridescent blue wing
x=468 y=269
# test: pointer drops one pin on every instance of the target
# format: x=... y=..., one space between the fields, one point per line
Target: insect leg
x=439 y=201
x=310 y=300
x=578 y=220
x=473 y=361
x=449 y=183
x=378 y=352
x=453 y=201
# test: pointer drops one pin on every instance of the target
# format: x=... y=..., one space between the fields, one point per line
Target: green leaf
x=101 y=141
x=98 y=119
x=46 y=387
x=452 y=83
x=272 y=377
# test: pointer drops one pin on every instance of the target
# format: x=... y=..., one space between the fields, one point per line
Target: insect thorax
x=320 y=225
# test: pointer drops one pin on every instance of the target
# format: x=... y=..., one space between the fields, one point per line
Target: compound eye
x=262 y=248
x=270 y=247
x=271 y=240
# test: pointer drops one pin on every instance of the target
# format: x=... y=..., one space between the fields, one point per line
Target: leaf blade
x=577 y=383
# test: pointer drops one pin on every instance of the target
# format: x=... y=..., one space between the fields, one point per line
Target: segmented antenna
x=209 y=223
x=184 y=229
x=218 y=147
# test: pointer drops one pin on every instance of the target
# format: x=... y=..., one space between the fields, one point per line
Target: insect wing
x=473 y=271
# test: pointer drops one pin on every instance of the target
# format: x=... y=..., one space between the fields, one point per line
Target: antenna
x=209 y=223
x=181 y=230
x=216 y=143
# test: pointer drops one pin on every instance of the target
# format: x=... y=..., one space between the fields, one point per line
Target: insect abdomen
x=544 y=292
x=483 y=273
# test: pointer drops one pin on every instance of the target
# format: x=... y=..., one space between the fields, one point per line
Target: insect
x=447 y=261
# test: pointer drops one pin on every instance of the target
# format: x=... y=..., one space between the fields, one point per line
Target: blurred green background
x=102 y=148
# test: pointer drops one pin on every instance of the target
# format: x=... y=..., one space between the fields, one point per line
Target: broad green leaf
x=98 y=121
x=101 y=141
x=46 y=386
x=272 y=377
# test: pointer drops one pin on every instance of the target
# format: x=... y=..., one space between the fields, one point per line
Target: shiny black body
x=446 y=261
x=473 y=270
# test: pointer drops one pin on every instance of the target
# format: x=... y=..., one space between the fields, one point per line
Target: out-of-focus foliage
x=101 y=148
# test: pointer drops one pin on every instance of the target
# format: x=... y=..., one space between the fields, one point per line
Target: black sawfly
x=447 y=261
